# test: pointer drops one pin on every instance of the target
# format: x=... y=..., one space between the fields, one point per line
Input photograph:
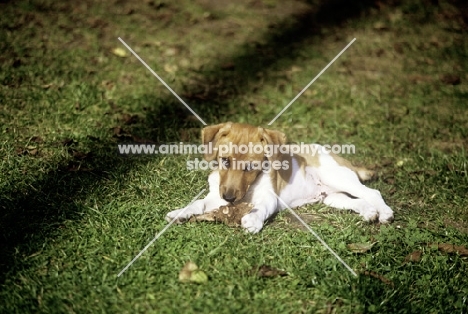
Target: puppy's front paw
x=385 y=215
x=369 y=213
x=252 y=223
x=176 y=213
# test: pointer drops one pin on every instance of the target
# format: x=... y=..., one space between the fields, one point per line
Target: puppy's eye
x=248 y=167
x=225 y=162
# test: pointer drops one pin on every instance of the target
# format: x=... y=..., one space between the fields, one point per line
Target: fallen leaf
x=400 y=162
x=420 y=78
x=53 y=85
x=398 y=47
x=429 y=61
x=117 y=130
x=171 y=52
x=228 y=66
x=96 y=23
x=380 y=26
x=296 y=68
x=380 y=52
x=80 y=155
x=20 y=151
x=434 y=41
x=184 y=63
x=114 y=106
x=198 y=276
x=451 y=79
x=32 y=152
x=191 y=273
x=360 y=247
x=28 y=151
x=266 y=271
x=109 y=85
x=378 y=276
x=37 y=139
x=413 y=257
x=68 y=142
x=120 y=52
x=450 y=248
x=129 y=119
x=170 y=68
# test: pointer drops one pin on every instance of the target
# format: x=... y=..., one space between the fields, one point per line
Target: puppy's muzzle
x=228 y=197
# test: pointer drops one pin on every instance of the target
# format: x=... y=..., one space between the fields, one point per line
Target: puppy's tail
x=364 y=174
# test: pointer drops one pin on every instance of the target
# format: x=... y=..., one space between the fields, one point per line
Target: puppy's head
x=240 y=160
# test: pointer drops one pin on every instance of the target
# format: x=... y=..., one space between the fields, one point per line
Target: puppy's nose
x=229 y=198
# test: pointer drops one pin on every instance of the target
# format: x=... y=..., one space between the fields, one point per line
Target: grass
x=74 y=212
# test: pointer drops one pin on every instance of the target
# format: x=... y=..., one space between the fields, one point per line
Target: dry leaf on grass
x=170 y=68
x=37 y=139
x=31 y=151
x=191 y=273
x=120 y=52
x=360 y=247
x=450 y=248
x=229 y=66
x=378 y=276
x=80 y=155
x=266 y=271
x=451 y=79
x=129 y=119
x=413 y=257
x=68 y=142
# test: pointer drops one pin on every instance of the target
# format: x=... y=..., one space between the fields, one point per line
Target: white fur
x=330 y=183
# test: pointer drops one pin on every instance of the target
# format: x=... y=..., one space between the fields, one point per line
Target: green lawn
x=73 y=212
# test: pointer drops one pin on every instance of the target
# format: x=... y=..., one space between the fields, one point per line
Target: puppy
x=274 y=179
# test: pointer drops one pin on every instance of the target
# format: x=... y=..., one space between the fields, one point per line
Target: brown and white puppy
x=256 y=166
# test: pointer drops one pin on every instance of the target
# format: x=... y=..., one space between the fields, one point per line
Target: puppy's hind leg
x=342 y=179
x=360 y=206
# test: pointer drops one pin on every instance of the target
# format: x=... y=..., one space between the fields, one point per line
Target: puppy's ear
x=271 y=137
x=212 y=134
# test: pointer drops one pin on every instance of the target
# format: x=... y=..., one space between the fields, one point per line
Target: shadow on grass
x=29 y=216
